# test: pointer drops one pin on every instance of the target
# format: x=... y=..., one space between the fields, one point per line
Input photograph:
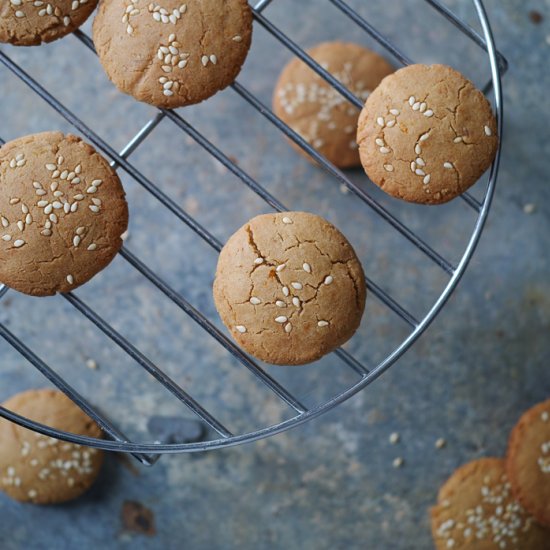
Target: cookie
x=39 y=469
x=426 y=134
x=32 y=22
x=62 y=212
x=528 y=461
x=316 y=111
x=170 y=53
x=289 y=287
x=477 y=510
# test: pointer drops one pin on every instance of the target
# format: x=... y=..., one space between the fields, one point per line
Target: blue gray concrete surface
x=329 y=484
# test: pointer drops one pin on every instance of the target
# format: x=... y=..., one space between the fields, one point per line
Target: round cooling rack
x=148 y=453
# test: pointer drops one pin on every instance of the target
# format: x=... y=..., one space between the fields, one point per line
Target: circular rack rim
x=174 y=448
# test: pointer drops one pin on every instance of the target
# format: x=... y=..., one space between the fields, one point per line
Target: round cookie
x=32 y=22
x=289 y=287
x=426 y=134
x=38 y=469
x=172 y=53
x=528 y=461
x=316 y=111
x=476 y=510
x=62 y=212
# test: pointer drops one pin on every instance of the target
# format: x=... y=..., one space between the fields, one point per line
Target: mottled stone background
x=329 y=484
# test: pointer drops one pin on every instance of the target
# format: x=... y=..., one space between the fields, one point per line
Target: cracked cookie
x=528 y=461
x=172 y=53
x=289 y=287
x=316 y=111
x=32 y=22
x=476 y=510
x=62 y=213
x=39 y=469
x=426 y=134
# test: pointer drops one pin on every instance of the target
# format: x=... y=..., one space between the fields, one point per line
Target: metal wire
x=149 y=453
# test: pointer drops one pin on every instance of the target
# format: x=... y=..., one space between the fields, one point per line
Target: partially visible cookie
x=528 y=461
x=289 y=287
x=316 y=111
x=32 y=22
x=476 y=510
x=38 y=469
x=172 y=53
x=426 y=134
x=62 y=212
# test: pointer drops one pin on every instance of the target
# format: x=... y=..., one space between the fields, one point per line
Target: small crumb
x=344 y=189
x=398 y=462
x=536 y=17
x=394 y=438
x=125 y=235
x=440 y=443
x=529 y=208
x=91 y=364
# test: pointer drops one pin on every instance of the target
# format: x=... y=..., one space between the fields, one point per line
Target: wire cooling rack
x=148 y=453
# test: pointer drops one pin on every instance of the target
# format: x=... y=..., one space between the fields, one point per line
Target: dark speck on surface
x=136 y=518
x=536 y=17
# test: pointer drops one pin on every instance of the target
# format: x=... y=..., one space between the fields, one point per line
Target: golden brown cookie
x=476 y=510
x=316 y=111
x=32 y=22
x=62 y=212
x=38 y=469
x=289 y=287
x=426 y=134
x=172 y=53
x=528 y=461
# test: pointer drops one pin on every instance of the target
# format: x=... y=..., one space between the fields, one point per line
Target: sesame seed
x=288 y=328
x=286 y=292
x=412 y=100
x=448 y=165
x=394 y=438
x=419 y=172
x=306 y=267
x=241 y=328
x=287 y=220
x=379 y=142
x=440 y=443
x=380 y=121
x=280 y=303
x=259 y=261
x=93 y=246
x=429 y=113
x=297 y=286
x=488 y=131
x=398 y=462
x=418 y=149
x=388 y=167
x=279 y=268
x=32 y=493
x=394 y=112
x=237 y=38
x=18 y=243
x=328 y=279
x=255 y=301
x=322 y=323
x=384 y=150
x=545 y=416
x=457 y=139
x=296 y=301
x=70 y=279
x=281 y=319
x=425 y=136
x=427 y=179
x=420 y=162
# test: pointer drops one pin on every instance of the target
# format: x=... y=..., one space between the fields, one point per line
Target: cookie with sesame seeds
x=528 y=461
x=39 y=469
x=289 y=287
x=172 y=53
x=476 y=510
x=426 y=134
x=316 y=111
x=62 y=213
x=33 y=22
